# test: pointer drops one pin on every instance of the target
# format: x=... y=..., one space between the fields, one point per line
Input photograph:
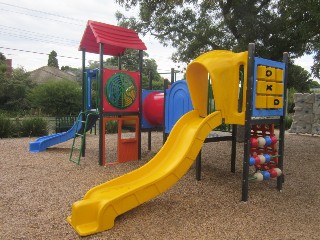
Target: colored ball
x=274 y=139
x=267 y=158
x=268 y=140
x=266 y=175
x=252 y=161
x=258 y=176
x=254 y=142
x=262 y=159
x=257 y=160
x=153 y=108
x=261 y=142
x=278 y=170
x=273 y=173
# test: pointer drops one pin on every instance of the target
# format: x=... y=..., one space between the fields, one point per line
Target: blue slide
x=42 y=143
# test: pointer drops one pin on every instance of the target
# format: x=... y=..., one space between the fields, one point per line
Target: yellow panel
x=270 y=88
x=274 y=102
x=270 y=74
x=103 y=203
x=261 y=87
x=279 y=88
x=278 y=102
x=261 y=72
x=261 y=101
x=279 y=75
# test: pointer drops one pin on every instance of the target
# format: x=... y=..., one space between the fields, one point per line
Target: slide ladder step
x=79 y=144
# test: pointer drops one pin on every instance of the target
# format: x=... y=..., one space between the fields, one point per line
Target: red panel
x=115 y=39
x=106 y=106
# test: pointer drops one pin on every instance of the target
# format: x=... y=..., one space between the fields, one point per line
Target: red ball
x=254 y=142
x=273 y=173
x=274 y=139
x=257 y=160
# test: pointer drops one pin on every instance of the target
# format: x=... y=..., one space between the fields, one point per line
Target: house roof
x=115 y=39
x=46 y=73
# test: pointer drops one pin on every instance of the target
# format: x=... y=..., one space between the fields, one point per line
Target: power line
x=6 y=10
x=38 y=11
x=38 y=34
x=26 y=37
x=27 y=51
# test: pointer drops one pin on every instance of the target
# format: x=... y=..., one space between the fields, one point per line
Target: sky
x=31 y=29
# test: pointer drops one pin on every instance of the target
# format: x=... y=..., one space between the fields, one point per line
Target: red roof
x=115 y=39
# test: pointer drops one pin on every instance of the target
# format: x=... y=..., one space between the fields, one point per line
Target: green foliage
x=299 y=79
x=57 y=98
x=314 y=84
x=29 y=127
x=14 y=90
x=130 y=61
x=288 y=121
x=33 y=127
x=6 y=126
x=3 y=65
x=194 y=27
x=112 y=126
x=52 y=59
x=76 y=71
x=290 y=100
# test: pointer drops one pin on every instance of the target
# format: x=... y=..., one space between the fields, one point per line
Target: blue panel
x=178 y=102
x=265 y=112
x=91 y=74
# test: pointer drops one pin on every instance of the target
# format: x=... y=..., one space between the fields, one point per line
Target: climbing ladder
x=82 y=125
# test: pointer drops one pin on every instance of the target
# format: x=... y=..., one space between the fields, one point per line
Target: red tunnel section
x=153 y=108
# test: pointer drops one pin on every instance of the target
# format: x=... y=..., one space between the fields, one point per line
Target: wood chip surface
x=38 y=189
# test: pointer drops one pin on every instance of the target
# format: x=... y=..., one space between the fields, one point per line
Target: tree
x=76 y=71
x=314 y=84
x=194 y=27
x=130 y=62
x=57 y=98
x=299 y=79
x=3 y=65
x=52 y=60
x=15 y=89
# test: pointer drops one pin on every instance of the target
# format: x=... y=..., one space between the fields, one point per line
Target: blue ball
x=252 y=161
x=268 y=157
x=268 y=140
x=266 y=175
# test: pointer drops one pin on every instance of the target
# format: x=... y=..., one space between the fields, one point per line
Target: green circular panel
x=121 y=90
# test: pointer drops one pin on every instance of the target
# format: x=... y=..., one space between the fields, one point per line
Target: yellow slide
x=103 y=203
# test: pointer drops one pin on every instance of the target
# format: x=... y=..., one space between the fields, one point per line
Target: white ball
x=258 y=176
x=261 y=142
x=278 y=170
x=262 y=159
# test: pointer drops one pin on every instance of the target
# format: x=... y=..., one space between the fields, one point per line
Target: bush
x=112 y=127
x=33 y=127
x=57 y=98
x=6 y=126
x=288 y=121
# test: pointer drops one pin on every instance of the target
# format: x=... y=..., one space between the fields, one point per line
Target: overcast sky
x=34 y=28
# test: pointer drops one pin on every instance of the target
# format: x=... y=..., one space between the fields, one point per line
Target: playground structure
x=247 y=91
